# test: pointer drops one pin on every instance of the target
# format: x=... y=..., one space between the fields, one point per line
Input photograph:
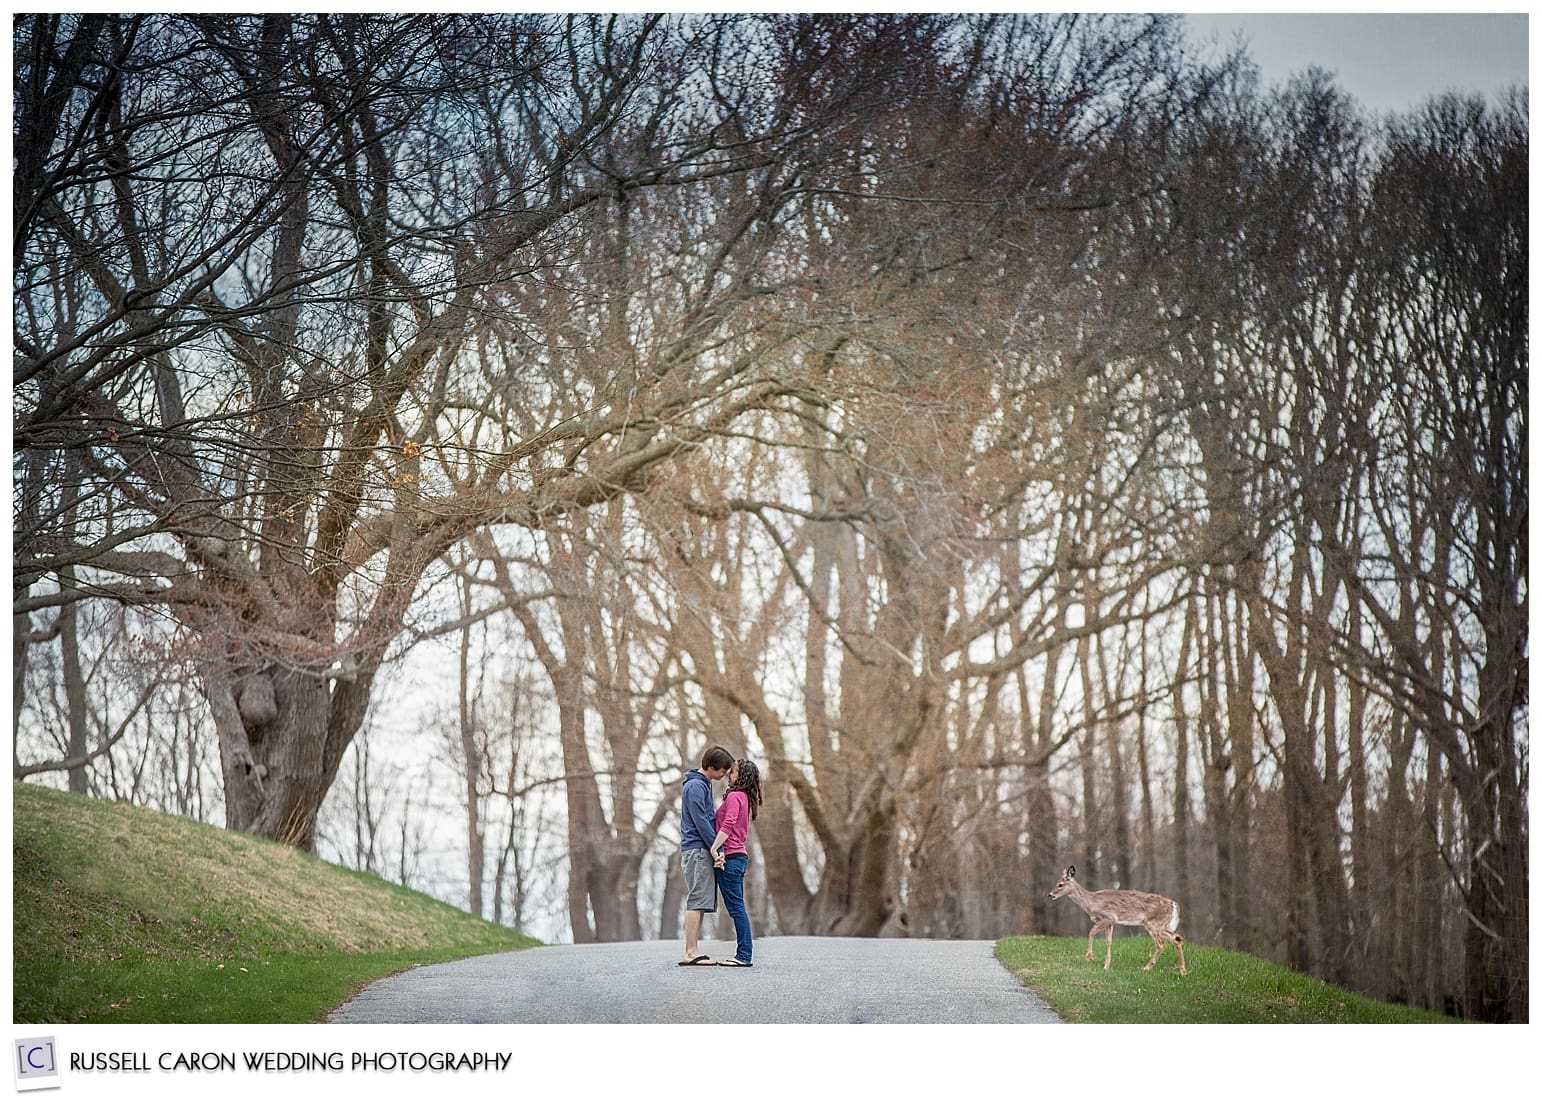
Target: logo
x=37 y=1066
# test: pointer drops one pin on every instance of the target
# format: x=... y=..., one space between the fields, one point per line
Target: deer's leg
x=1157 y=936
x=1097 y=927
x=1183 y=968
x=1108 y=955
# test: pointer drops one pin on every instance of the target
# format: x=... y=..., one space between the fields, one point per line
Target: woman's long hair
x=748 y=782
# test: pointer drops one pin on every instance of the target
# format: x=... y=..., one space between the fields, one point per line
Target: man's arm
x=698 y=804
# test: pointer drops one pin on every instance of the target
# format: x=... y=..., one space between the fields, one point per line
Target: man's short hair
x=716 y=758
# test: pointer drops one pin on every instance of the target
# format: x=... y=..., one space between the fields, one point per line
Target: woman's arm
x=731 y=811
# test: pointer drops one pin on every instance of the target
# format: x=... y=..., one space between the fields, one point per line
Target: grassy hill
x=1221 y=986
x=122 y=914
x=126 y=915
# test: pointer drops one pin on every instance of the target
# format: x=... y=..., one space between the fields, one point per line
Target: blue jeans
x=730 y=882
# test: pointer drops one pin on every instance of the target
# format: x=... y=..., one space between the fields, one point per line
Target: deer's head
x=1064 y=883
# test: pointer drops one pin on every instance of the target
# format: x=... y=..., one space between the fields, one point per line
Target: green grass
x=126 y=915
x=1221 y=986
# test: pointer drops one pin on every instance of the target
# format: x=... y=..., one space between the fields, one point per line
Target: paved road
x=837 y=980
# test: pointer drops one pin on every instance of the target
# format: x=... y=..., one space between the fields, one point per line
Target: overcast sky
x=1387 y=61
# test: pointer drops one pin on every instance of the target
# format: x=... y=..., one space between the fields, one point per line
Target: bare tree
x=1447 y=595
x=272 y=278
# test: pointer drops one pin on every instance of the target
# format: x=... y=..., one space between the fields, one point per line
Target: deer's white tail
x=1172 y=924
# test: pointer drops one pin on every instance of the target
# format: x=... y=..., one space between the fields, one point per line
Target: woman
x=739 y=807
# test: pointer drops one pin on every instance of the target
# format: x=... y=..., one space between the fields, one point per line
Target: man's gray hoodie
x=697 y=829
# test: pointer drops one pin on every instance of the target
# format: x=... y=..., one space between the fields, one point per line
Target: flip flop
x=699 y=959
x=731 y=963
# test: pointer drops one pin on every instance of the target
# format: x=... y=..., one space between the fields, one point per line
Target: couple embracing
x=712 y=850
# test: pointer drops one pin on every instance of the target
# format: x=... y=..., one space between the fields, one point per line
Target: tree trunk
x=1237 y=665
x=1182 y=813
x=279 y=735
x=1498 y=908
x=674 y=897
x=471 y=769
x=1218 y=797
x=74 y=687
x=1093 y=840
x=1043 y=847
x=1334 y=924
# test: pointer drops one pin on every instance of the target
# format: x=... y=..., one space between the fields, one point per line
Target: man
x=698 y=828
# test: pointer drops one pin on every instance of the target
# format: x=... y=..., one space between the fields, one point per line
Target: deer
x=1112 y=907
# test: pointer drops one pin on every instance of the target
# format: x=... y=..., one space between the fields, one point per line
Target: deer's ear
x=1070 y=871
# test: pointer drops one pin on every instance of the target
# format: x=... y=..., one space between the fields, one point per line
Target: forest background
x=1029 y=438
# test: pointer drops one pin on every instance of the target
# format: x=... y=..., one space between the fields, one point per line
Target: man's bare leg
x=693 y=934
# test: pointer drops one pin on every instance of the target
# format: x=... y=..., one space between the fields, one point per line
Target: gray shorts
x=700 y=881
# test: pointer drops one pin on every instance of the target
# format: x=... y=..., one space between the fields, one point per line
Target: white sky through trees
x=1389 y=61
